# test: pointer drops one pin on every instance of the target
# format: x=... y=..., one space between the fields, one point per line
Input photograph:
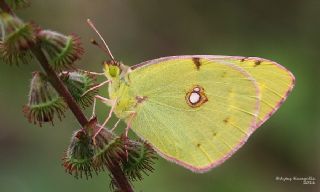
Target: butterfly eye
x=196 y=96
x=114 y=71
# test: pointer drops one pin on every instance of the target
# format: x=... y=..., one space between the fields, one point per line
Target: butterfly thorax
x=119 y=89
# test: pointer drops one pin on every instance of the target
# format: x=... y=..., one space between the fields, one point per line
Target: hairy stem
x=120 y=178
x=116 y=171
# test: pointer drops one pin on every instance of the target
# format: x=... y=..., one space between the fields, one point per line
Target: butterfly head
x=114 y=69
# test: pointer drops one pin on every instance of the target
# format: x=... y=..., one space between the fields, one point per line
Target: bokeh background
x=285 y=31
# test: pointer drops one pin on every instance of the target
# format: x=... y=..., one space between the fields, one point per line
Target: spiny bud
x=44 y=103
x=109 y=149
x=140 y=160
x=79 y=84
x=78 y=160
x=88 y=153
x=17 y=4
x=62 y=50
x=17 y=39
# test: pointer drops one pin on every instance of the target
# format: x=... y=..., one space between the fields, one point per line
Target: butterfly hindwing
x=275 y=82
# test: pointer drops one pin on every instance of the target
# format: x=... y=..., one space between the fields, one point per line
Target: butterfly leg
x=113 y=104
x=115 y=125
x=109 y=102
x=92 y=73
x=132 y=115
x=94 y=108
x=96 y=87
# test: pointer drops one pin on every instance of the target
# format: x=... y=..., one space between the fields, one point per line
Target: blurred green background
x=284 y=31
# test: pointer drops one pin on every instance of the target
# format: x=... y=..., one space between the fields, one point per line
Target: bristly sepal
x=62 y=50
x=17 y=40
x=79 y=85
x=110 y=151
x=140 y=160
x=109 y=148
x=44 y=103
x=78 y=160
x=18 y=4
x=88 y=153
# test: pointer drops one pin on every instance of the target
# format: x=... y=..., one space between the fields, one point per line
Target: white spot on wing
x=194 y=98
x=196 y=89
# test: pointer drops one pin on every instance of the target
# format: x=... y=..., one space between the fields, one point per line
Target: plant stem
x=119 y=177
x=116 y=171
x=5 y=7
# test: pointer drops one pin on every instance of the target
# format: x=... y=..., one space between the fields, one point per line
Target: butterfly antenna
x=105 y=48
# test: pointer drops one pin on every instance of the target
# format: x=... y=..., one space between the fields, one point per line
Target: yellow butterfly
x=196 y=110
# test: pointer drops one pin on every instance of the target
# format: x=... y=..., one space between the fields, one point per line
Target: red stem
x=5 y=7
